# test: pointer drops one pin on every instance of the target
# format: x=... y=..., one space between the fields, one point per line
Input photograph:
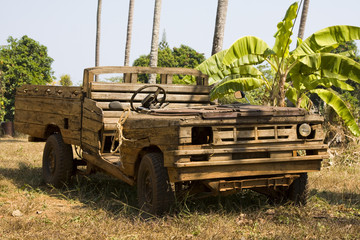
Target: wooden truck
x=169 y=138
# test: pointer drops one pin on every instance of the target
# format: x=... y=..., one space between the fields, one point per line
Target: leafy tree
x=65 y=80
x=22 y=61
x=184 y=56
x=311 y=68
x=187 y=57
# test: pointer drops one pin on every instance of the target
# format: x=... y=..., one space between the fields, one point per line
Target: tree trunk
x=155 y=40
x=219 y=26
x=8 y=128
x=98 y=31
x=303 y=19
x=129 y=32
x=281 y=96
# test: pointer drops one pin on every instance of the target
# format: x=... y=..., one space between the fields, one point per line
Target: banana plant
x=309 y=69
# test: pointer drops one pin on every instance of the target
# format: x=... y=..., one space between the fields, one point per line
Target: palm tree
x=303 y=19
x=219 y=26
x=98 y=30
x=155 y=40
x=129 y=32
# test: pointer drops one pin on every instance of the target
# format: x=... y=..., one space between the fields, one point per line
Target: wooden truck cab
x=187 y=143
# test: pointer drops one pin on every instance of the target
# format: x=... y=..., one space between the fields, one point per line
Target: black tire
x=298 y=190
x=57 y=164
x=155 y=195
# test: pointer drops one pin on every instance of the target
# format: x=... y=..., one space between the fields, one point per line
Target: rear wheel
x=154 y=191
x=57 y=164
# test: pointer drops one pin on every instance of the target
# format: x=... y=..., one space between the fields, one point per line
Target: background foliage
x=181 y=57
x=65 y=80
x=22 y=61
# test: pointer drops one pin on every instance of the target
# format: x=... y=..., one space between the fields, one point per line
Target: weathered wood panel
x=32 y=129
x=94 y=112
x=105 y=105
x=49 y=91
x=92 y=123
x=210 y=172
x=123 y=87
x=187 y=150
x=37 y=107
x=61 y=106
x=44 y=118
x=139 y=97
x=91 y=138
x=108 y=167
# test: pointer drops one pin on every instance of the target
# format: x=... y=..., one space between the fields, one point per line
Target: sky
x=68 y=27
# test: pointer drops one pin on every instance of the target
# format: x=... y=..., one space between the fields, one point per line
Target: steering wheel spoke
x=151 y=100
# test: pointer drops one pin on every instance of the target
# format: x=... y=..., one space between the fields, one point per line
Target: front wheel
x=154 y=191
x=57 y=164
x=298 y=190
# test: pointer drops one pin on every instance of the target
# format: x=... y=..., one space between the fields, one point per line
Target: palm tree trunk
x=98 y=30
x=129 y=32
x=155 y=40
x=303 y=19
x=219 y=26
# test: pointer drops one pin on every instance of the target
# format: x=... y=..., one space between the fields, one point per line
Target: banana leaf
x=231 y=85
x=213 y=66
x=327 y=83
x=327 y=39
x=340 y=108
x=329 y=65
x=246 y=50
x=283 y=34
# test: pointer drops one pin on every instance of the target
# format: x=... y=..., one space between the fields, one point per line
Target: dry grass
x=99 y=207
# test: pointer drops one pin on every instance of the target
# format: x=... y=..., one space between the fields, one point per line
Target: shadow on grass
x=100 y=191
x=97 y=191
x=348 y=199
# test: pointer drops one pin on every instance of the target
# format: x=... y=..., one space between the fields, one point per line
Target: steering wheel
x=151 y=101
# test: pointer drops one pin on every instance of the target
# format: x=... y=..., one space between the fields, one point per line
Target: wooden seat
x=176 y=95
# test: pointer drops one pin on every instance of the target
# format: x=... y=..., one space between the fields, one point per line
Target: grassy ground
x=99 y=207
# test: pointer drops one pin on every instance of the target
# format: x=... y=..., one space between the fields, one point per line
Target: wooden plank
x=169 y=98
x=241 y=134
x=134 y=78
x=49 y=91
x=91 y=138
x=90 y=105
x=68 y=107
x=229 y=171
x=268 y=148
x=32 y=129
x=250 y=161
x=127 y=87
x=126 y=105
x=110 y=168
x=91 y=124
x=44 y=118
x=169 y=79
x=145 y=70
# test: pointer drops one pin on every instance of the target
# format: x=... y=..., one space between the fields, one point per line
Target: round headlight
x=304 y=130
